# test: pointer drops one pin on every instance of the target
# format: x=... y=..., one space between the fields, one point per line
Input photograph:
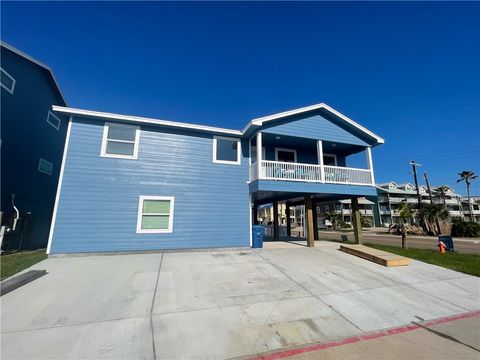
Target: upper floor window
x=7 y=81
x=155 y=214
x=286 y=155
x=329 y=160
x=120 y=141
x=53 y=120
x=45 y=166
x=226 y=150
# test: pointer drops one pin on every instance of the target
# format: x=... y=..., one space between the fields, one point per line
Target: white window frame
x=11 y=78
x=239 y=151
x=333 y=156
x=286 y=150
x=140 y=214
x=103 y=151
x=39 y=168
x=55 y=126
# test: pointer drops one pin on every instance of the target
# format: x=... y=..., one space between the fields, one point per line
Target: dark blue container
x=257 y=236
x=448 y=241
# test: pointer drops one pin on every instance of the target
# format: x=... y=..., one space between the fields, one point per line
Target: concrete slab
x=83 y=289
x=240 y=330
x=374 y=309
x=189 y=281
x=320 y=274
x=217 y=304
x=117 y=339
x=463 y=292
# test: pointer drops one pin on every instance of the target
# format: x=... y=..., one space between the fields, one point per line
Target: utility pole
x=431 y=201
x=419 y=198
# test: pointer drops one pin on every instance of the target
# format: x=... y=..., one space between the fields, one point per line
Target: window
x=155 y=214
x=7 y=81
x=53 y=120
x=226 y=150
x=329 y=160
x=45 y=166
x=327 y=208
x=120 y=141
x=285 y=155
x=339 y=207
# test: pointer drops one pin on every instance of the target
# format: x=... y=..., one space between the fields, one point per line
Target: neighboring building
x=32 y=140
x=391 y=195
x=131 y=183
x=465 y=209
x=344 y=209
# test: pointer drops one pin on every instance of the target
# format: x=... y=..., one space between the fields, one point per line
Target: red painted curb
x=368 y=336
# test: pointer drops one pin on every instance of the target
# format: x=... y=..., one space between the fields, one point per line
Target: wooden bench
x=377 y=256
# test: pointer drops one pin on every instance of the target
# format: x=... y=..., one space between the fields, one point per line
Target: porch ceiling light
x=333 y=145
x=278 y=137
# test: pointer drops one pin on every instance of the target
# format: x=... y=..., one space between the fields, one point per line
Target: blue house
x=131 y=183
x=32 y=140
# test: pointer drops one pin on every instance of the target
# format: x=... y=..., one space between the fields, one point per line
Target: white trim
x=259 y=153
x=35 y=61
x=277 y=149
x=143 y=120
x=140 y=214
x=320 y=159
x=11 y=78
x=370 y=163
x=260 y=121
x=257 y=121
x=334 y=158
x=103 y=151
x=57 y=127
x=239 y=151
x=250 y=215
x=59 y=186
x=40 y=161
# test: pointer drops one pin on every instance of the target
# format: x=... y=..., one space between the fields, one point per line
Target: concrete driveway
x=218 y=304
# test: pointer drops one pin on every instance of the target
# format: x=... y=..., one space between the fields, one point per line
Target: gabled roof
x=36 y=62
x=253 y=123
x=262 y=120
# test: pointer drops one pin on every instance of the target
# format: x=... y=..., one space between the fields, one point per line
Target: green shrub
x=462 y=228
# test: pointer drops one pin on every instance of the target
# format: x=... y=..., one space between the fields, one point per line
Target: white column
x=370 y=163
x=320 y=160
x=259 y=154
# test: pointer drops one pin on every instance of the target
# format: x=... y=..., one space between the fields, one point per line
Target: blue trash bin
x=448 y=241
x=257 y=236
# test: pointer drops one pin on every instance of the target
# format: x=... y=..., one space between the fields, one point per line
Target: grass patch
x=465 y=263
x=13 y=263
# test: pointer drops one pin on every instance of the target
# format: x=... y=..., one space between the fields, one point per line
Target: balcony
x=288 y=171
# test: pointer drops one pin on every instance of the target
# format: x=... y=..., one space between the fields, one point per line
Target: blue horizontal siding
x=314 y=127
x=98 y=204
x=311 y=188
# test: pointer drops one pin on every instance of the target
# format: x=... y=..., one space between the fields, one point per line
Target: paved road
x=463 y=245
x=219 y=304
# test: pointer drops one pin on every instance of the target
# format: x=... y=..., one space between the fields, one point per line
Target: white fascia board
x=143 y=120
x=35 y=61
x=260 y=121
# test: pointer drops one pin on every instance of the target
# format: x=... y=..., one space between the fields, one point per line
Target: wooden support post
x=287 y=215
x=315 y=220
x=309 y=220
x=275 y=221
x=357 y=222
x=255 y=214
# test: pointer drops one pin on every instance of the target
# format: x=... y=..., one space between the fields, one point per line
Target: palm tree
x=467 y=176
x=432 y=213
x=442 y=191
x=333 y=217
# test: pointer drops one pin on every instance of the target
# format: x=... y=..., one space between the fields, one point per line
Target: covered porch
x=285 y=196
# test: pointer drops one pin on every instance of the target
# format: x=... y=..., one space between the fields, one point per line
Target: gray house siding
x=98 y=203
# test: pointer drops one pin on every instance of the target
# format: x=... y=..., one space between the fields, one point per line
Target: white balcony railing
x=276 y=170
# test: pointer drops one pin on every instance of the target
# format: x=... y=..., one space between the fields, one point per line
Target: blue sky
x=408 y=71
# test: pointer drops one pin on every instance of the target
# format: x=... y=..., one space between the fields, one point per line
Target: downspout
x=17 y=213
